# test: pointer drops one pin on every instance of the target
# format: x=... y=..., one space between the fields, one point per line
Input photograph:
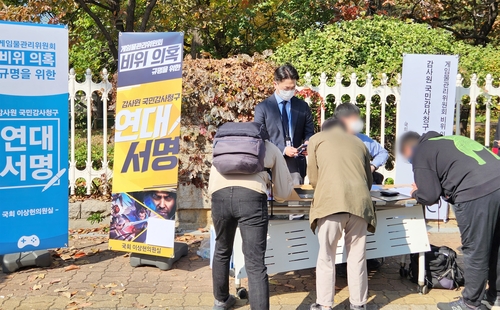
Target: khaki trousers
x=330 y=230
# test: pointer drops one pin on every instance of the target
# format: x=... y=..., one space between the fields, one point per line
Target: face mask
x=286 y=94
x=356 y=126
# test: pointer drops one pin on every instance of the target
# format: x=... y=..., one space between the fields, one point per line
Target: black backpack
x=441 y=268
x=239 y=148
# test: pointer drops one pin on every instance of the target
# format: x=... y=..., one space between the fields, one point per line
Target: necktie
x=285 y=121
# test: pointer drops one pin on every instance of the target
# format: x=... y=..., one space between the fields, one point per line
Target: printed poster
x=33 y=137
x=427 y=104
x=147 y=131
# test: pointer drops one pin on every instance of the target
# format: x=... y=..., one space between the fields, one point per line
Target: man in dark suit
x=288 y=120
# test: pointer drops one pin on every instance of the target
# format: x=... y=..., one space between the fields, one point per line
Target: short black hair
x=285 y=72
x=409 y=137
x=346 y=110
x=332 y=122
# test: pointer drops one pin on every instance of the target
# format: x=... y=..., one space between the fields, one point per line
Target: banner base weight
x=13 y=262
x=163 y=263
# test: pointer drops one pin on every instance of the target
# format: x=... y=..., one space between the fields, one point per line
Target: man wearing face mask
x=350 y=115
x=288 y=121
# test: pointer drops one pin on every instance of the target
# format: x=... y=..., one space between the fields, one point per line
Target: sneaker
x=353 y=307
x=490 y=302
x=228 y=304
x=458 y=305
x=316 y=306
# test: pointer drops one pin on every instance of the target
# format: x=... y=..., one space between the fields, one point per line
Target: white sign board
x=427 y=104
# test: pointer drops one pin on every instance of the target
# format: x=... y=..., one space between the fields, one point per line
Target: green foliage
x=376 y=46
x=96 y=150
x=96 y=217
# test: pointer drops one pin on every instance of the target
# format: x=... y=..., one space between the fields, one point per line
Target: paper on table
x=403 y=190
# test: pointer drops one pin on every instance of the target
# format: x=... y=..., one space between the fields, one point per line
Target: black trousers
x=233 y=207
x=478 y=221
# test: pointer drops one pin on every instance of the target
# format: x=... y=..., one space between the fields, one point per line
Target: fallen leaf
x=120 y=290
x=110 y=285
x=89 y=293
x=38 y=276
x=67 y=294
x=126 y=255
x=86 y=304
x=71 y=267
x=59 y=290
x=79 y=255
x=65 y=256
x=54 y=281
x=290 y=286
x=136 y=305
x=112 y=293
x=36 y=287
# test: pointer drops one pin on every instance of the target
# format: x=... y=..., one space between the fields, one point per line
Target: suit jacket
x=267 y=112
x=341 y=177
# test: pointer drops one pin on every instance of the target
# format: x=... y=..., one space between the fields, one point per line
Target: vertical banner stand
x=147 y=146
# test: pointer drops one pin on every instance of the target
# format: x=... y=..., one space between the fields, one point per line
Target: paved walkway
x=89 y=276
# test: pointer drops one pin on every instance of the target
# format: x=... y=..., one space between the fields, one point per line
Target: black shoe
x=373 y=264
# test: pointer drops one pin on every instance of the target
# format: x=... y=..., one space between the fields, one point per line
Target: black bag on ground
x=239 y=148
x=441 y=268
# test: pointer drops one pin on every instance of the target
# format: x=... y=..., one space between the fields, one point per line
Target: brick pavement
x=107 y=281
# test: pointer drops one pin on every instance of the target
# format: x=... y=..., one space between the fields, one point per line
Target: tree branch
x=147 y=15
x=100 y=5
x=107 y=35
x=129 y=26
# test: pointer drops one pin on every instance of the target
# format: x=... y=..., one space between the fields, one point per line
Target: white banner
x=427 y=104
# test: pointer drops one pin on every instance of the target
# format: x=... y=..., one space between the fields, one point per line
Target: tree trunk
x=196 y=44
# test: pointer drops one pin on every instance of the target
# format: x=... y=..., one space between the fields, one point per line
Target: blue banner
x=33 y=138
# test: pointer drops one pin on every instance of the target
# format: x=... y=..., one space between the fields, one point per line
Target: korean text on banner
x=427 y=104
x=147 y=133
x=33 y=137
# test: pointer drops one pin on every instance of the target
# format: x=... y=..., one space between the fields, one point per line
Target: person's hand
x=413 y=189
x=291 y=151
x=373 y=168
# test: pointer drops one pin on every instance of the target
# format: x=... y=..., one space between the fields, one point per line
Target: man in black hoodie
x=465 y=174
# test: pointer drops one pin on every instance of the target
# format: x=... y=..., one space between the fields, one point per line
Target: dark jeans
x=234 y=207
x=478 y=221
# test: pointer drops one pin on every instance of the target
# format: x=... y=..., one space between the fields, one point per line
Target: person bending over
x=342 y=178
x=465 y=174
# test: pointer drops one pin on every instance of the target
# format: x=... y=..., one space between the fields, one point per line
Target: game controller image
x=28 y=240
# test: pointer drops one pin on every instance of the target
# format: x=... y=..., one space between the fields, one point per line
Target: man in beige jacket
x=339 y=170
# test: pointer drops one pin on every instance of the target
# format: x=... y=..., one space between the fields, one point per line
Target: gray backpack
x=239 y=148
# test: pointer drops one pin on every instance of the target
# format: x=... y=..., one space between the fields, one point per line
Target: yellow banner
x=147 y=133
